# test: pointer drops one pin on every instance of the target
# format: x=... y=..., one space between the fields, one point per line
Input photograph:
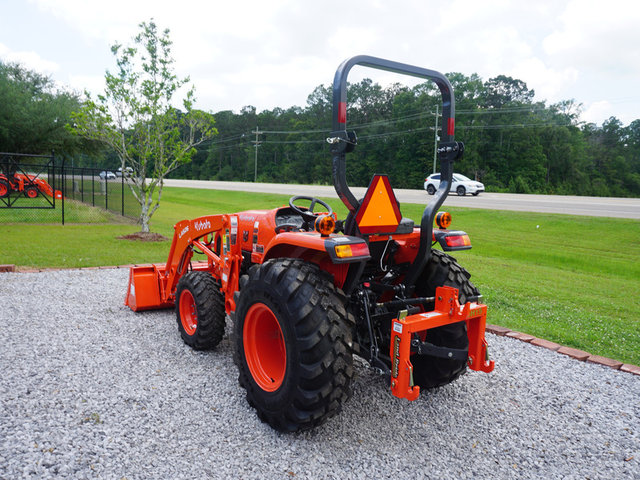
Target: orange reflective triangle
x=379 y=212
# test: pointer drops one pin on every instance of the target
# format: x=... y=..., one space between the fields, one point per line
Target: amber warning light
x=443 y=219
x=325 y=225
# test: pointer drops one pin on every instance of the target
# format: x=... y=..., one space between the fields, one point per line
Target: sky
x=274 y=53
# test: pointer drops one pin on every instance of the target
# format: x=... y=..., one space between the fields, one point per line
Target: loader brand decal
x=183 y=231
x=475 y=312
x=396 y=357
x=201 y=225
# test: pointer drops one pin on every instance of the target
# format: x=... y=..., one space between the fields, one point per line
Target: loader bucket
x=144 y=291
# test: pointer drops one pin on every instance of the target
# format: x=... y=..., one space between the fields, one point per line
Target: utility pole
x=435 y=141
x=256 y=144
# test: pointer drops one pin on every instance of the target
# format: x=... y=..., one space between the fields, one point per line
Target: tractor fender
x=337 y=255
x=308 y=245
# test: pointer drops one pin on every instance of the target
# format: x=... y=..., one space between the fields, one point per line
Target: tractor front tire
x=200 y=311
x=431 y=372
x=293 y=344
x=5 y=189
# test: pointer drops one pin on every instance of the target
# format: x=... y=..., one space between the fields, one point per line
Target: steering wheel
x=308 y=214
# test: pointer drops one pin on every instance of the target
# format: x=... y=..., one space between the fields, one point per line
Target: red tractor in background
x=307 y=291
x=30 y=185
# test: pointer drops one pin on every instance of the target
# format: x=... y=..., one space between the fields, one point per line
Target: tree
x=136 y=117
x=34 y=112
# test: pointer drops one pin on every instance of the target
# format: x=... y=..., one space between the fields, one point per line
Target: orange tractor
x=30 y=185
x=306 y=291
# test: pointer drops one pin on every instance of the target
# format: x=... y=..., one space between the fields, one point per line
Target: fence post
x=63 y=188
x=122 y=190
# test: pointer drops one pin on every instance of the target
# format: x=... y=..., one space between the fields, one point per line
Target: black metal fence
x=26 y=181
x=101 y=189
x=39 y=189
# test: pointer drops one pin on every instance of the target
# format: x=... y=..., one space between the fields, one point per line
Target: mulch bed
x=144 y=237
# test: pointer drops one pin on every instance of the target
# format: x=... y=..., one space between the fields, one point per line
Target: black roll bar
x=343 y=142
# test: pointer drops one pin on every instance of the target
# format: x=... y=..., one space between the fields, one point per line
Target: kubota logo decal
x=201 y=225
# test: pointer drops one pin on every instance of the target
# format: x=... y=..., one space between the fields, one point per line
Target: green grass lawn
x=569 y=279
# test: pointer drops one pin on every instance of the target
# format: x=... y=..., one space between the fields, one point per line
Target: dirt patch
x=144 y=237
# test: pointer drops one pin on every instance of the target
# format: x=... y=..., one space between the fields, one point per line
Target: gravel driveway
x=89 y=389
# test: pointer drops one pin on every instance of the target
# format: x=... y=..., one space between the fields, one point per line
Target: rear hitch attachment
x=405 y=340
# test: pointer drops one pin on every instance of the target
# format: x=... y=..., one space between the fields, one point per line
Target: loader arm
x=154 y=286
x=186 y=234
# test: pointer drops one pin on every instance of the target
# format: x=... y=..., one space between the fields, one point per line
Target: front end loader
x=307 y=291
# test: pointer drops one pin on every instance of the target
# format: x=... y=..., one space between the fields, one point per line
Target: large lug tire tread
x=431 y=372
x=317 y=333
x=209 y=302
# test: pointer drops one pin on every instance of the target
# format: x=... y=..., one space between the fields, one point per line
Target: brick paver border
x=570 y=352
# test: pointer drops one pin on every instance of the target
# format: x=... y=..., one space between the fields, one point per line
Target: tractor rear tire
x=431 y=372
x=200 y=311
x=293 y=344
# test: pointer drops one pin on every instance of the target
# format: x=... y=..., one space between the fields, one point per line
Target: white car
x=107 y=175
x=128 y=171
x=459 y=184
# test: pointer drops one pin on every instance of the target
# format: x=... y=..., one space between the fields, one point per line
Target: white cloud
x=597 y=111
x=596 y=35
x=547 y=82
x=30 y=60
x=90 y=83
x=274 y=53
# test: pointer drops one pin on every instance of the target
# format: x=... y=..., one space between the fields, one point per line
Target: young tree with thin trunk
x=136 y=117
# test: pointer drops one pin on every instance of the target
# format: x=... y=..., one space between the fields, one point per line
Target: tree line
x=513 y=142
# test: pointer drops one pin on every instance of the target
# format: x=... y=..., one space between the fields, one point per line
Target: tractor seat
x=287 y=216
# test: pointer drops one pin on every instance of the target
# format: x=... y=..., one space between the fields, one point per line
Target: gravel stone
x=90 y=389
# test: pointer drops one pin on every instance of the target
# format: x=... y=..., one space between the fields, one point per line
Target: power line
x=387 y=123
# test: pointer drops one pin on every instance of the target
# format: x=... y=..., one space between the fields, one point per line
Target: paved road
x=572 y=205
